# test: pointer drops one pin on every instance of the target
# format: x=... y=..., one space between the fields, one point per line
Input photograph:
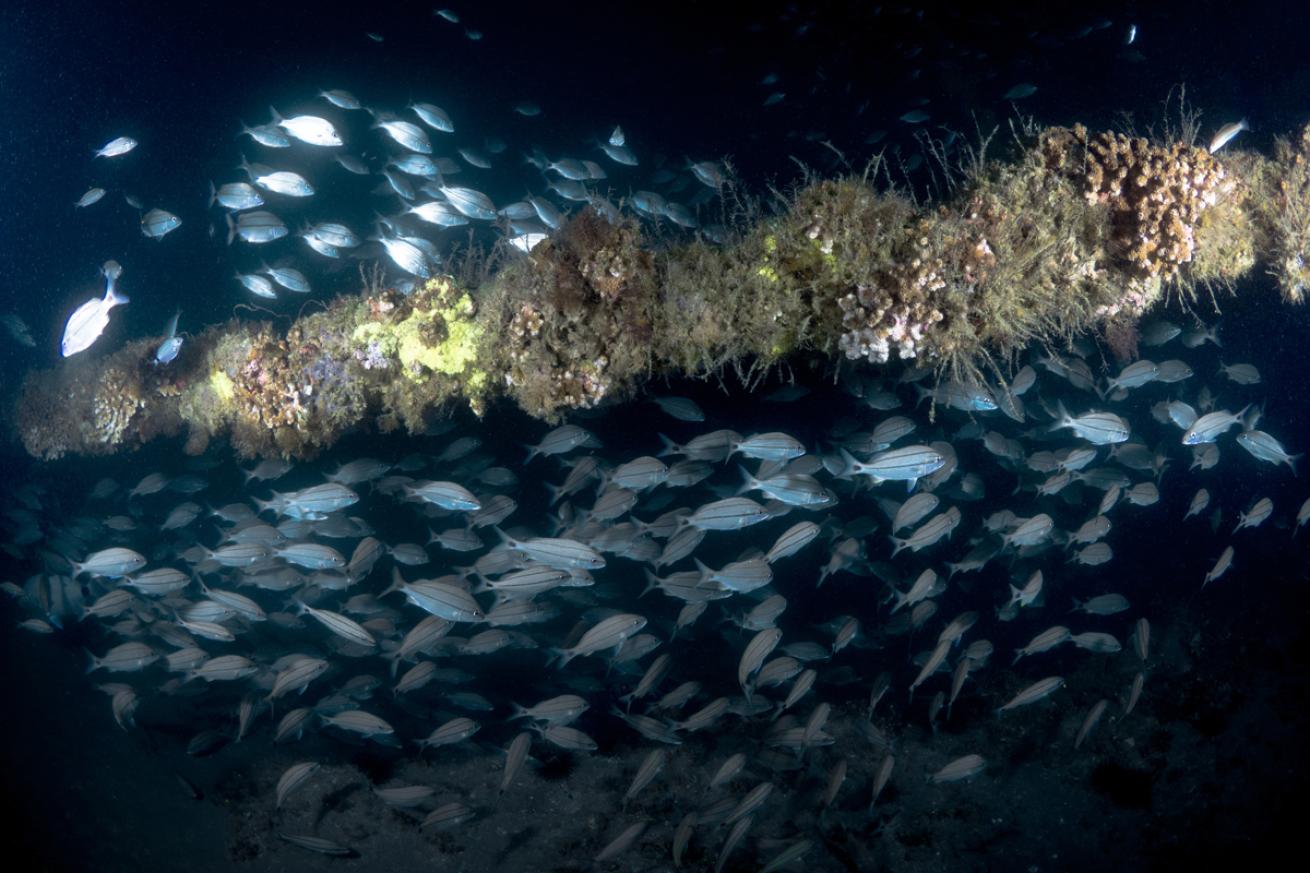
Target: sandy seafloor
x=1206 y=773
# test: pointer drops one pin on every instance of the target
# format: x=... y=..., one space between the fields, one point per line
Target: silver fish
x=168 y=348
x=1099 y=428
x=1039 y=690
x=255 y=227
x=90 y=319
x=340 y=99
x=1211 y=426
x=470 y=202
x=964 y=767
x=408 y=134
x=91 y=196
x=433 y=116
x=608 y=634
x=158 y=223
x=115 y=147
x=310 y=129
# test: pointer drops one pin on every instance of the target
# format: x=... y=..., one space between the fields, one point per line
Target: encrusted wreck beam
x=1079 y=231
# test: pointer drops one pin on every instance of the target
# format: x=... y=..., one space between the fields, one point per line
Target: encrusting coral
x=1076 y=231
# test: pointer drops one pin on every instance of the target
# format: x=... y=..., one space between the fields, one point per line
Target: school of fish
x=292 y=600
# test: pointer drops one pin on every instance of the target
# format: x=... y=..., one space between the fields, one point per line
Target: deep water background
x=684 y=81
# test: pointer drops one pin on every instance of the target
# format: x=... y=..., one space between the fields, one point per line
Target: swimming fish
x=90 y=319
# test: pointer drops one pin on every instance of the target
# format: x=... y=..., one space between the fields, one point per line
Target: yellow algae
x=222 y=385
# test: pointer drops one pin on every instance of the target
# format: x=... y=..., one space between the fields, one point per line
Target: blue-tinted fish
x=408 y=134
x=158 y=223
x=236 y=196
x=92 y=195
x=433 y=116
x=167 y=350
x=289 y=278
x=256 y=227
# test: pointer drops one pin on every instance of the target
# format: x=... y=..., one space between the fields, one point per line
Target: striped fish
x=1039 y=690
x=515 y=755
x=359 y=722
x=608 y=634
x=317 y=844
x=560 y=553
x=293 y=777
x=754 y=654
x=731 y=513
x=438 y=598
x=792 y=540
x=346 y=628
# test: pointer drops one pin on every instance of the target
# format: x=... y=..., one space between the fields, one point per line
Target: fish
x=433 y=116
x=236 y=196
x=317 y=844
x=115 y=147
x=1226 y=133
x=158 y=223
x=964 y=767
x=294 y=777
x=257 y=285
x=1089 y=724
x=469 y=202
x=91 y=197
x=1039 y=690
x=167 y=350
x=681 y=408
x=289 y=278
x=286 y=182
x=89 y=320
x=340 y=99
x=1211 y=426
x=607 y=634
x=1242 y=374
x=1020 y=91
x=407 y=134
x=1256 y=515
x=406 y=255
x=438 y=598
x=907 y=464
x=344 y=627
x=1264 y=447
x=255 y=227
x=310 y=129
x=1098 y=428
x=17 y=329
x=1221 y=566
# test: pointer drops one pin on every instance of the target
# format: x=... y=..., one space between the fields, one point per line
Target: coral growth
x=577 y=325
x=1076 y=232
x=1156 y=195
x=1284 y=209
